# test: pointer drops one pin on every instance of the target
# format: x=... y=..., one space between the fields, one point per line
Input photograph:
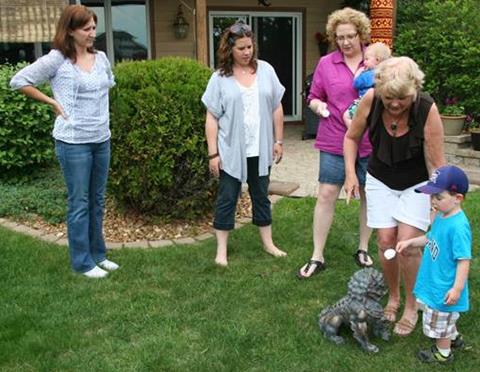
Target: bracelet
x=279 y=142
x=213 y=156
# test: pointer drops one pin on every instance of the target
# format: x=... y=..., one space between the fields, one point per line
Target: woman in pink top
x=330 y=95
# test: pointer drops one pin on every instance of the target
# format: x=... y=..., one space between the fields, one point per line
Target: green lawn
x=173 y=309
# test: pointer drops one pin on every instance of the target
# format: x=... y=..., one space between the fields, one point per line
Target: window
x=122 y=28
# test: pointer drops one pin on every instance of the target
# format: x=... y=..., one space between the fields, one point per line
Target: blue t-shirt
x=364 y=81
x=449 y=240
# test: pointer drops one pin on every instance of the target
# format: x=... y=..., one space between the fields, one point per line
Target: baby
x=365 y=76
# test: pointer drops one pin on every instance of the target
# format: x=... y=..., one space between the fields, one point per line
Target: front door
x=278 y=36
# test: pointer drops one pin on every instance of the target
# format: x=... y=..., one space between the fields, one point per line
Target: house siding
x=316 y=13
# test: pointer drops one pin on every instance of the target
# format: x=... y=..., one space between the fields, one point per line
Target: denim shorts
x=332 y=169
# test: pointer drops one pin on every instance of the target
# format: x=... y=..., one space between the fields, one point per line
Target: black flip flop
x=319 y=266
x=365 y=257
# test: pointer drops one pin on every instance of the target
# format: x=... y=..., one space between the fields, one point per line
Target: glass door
x=278 y=37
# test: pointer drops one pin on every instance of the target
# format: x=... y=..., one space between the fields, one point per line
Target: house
x=139 y=29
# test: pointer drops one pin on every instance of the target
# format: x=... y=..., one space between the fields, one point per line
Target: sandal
x=319 y=266
x=404 y=327
x=362 y=258
x=390 y=313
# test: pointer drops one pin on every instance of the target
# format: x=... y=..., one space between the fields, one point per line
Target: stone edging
x=60 y=240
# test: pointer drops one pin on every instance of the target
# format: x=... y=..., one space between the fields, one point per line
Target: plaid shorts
x=439 y=324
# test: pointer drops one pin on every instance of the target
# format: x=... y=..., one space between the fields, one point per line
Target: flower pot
x=453 y=124
x=475 y=139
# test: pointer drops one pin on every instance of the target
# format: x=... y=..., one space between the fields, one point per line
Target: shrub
x=442 y=37
x=159 y=154
x=25 y=128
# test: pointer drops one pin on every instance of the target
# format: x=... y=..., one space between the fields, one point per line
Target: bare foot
x=221 y=261
x=274 y=251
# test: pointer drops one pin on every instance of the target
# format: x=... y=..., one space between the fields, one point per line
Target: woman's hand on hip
x=58 y=109
x=215 y=165
x=277 y=152
x=352 y=188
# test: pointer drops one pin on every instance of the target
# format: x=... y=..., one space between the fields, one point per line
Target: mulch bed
x=130 y=227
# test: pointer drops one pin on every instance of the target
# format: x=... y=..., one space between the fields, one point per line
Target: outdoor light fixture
x=180 y=26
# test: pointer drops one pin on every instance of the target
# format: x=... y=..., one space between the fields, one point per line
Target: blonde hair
x=349 y=16
x=380 y=51
x=398 y=77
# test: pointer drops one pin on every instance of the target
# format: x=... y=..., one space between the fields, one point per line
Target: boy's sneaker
x=108 y=265
x=458 y=343
x=433 y=356
x=96 y=272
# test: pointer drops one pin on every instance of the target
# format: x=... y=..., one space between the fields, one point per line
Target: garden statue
x=360 y=309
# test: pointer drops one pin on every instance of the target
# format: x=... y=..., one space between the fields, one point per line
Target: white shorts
x=387 y=207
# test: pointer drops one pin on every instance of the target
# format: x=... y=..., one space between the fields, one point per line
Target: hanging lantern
x=180 y=25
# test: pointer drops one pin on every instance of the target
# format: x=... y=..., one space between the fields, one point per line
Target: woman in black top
x=406 y=133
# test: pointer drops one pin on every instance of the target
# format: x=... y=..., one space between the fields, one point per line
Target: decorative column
x=201 y=25
x=382 y=18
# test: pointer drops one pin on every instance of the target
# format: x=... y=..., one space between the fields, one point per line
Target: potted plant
x=473 y=125
x=453 y=117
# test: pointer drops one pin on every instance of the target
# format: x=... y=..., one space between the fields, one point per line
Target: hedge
x=159 y=163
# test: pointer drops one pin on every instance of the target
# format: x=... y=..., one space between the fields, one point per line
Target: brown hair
x=224 y=53
x=73 y=17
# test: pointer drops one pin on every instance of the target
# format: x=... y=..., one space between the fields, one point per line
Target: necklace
x=394 y=127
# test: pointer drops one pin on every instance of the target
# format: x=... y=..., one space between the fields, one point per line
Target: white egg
x=325 y=113
x=389 y=253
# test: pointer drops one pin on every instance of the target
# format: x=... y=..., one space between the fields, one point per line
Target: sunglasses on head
x=240 y=28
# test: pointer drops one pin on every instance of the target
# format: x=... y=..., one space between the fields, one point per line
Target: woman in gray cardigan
x=244 y=130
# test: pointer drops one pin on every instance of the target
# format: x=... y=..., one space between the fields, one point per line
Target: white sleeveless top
x=251 y=118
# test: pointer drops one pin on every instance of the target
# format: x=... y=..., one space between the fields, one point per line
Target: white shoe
x=108 y=265
x=96 y=272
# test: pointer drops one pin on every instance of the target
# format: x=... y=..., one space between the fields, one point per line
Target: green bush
x=25 y=128
x=442 y=36
x=159 y=163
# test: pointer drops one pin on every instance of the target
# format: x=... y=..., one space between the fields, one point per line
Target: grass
x=173 y=309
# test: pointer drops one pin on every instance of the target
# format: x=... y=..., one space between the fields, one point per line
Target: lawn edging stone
x=60 y=239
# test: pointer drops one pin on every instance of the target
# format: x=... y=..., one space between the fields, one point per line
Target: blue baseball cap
x=446 y=178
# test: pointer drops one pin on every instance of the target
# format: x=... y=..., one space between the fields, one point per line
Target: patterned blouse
x=82 y=94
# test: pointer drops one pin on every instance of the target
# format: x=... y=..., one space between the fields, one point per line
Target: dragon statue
x=360 y=309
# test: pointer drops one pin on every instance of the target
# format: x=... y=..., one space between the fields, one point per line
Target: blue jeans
x=85 y=170
x=332 y=169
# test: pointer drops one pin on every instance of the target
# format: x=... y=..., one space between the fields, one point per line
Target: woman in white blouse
x=80 y=78
x=244 y=130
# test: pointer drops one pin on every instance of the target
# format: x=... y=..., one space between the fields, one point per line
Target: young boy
x=441 y=287
x=365 y=77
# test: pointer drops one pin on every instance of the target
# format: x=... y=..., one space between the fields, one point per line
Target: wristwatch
x=279 y=142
